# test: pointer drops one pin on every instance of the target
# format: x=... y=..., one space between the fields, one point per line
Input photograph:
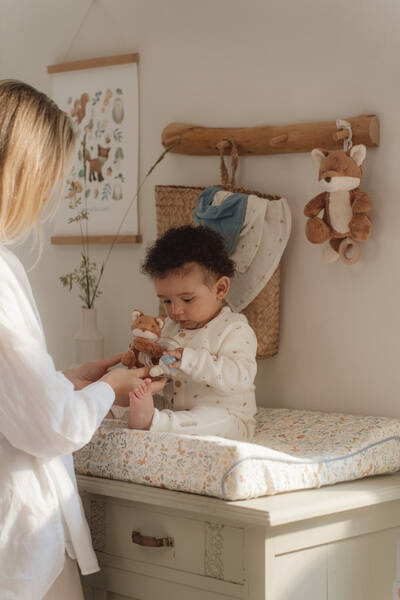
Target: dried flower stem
x=159 y=159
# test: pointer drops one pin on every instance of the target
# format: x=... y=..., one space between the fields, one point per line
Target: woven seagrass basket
x=175 y=206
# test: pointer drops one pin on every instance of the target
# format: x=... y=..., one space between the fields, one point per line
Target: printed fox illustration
x=96 y=164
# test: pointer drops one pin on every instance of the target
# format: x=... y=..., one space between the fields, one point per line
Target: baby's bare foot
x=141 y=406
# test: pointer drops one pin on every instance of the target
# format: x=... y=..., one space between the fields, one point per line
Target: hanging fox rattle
x=345 y=219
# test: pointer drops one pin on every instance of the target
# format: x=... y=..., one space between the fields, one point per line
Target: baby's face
x=189 y=299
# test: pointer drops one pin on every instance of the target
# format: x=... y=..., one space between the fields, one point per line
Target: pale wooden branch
x=279 y=139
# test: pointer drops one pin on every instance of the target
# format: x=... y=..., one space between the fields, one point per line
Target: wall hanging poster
x=101 y=97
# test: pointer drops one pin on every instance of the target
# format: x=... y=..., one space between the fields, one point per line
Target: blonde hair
x=37 y=141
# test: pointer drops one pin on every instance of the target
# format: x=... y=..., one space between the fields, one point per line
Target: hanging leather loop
x=234 y=160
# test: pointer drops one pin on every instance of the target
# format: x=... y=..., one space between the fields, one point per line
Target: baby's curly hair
x=188 y=244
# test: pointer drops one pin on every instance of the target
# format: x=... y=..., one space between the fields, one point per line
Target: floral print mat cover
x=291 y=450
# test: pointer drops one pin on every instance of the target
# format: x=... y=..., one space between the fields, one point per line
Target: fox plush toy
x=144 y=349
x=345 y=218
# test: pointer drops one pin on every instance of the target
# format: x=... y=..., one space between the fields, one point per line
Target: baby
x=212 y=387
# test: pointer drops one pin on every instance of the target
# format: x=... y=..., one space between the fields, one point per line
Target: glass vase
x=89 y=341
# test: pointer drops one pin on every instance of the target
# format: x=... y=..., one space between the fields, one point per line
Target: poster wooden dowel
x=281 y=139
x=69 y=240
x=93 y=63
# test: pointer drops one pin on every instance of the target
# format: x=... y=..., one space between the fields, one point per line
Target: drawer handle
x=151 y=542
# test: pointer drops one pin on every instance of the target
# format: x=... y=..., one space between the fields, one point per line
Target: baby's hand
x=178 y=355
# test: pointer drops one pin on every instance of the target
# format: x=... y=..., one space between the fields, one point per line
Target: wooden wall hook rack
x=281 y=139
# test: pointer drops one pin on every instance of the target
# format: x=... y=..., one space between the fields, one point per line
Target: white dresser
x=333 y=543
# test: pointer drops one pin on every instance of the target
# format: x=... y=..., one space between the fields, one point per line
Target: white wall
x=237 y=63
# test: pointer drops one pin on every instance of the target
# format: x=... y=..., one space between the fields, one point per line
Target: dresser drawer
x=196 y=546
x=118 y=584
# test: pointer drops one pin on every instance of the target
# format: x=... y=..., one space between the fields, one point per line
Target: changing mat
x=292 y=450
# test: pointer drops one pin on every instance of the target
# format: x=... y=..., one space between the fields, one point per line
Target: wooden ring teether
x=347 y=245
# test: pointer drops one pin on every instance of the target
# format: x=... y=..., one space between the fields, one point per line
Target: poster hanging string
x=64 y=58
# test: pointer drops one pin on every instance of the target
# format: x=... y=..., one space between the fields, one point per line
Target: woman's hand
x=124 y=381
x=90 y=372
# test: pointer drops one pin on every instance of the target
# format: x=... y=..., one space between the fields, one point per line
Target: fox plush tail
x=87 y=155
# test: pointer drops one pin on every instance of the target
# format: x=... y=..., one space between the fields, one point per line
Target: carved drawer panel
x=161 y=537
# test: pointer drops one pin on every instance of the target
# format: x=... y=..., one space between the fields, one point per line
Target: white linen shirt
x=218 y=368
x=42 y=420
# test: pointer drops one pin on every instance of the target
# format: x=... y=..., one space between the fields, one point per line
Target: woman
x=44 y=414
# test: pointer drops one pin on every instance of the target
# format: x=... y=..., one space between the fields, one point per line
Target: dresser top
x=266 y=511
